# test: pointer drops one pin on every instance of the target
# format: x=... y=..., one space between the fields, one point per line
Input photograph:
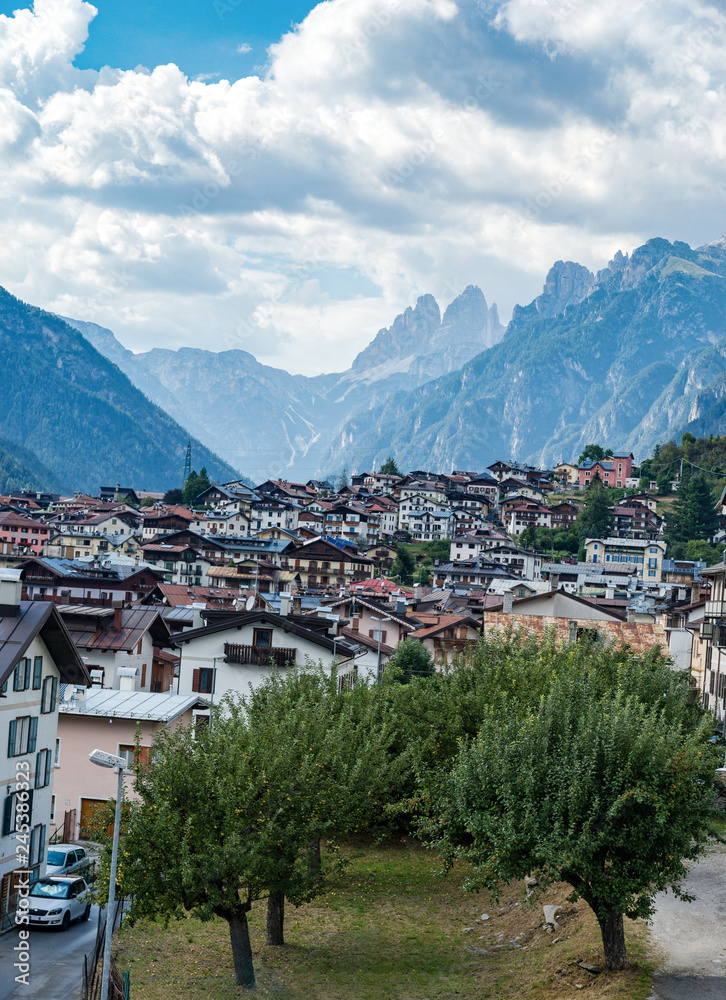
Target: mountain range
x=630 y=357
x=275 y=423
x=70 y=419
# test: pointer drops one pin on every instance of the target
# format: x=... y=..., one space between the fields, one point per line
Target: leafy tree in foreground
x=608 y=790
x=411 y=659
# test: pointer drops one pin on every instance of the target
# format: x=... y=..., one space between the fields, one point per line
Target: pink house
x=612 y=471
x=106 y=719
x=22 y=532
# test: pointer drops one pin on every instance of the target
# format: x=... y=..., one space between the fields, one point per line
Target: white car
x=55 y=901
x=67 y=859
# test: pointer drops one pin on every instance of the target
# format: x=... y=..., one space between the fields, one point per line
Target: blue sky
x=200 y=36
x=292 y=199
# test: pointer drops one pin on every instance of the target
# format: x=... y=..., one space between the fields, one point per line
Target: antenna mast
x=187 y=464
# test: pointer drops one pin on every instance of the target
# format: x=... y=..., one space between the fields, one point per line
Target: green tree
x=696 y=551
x=595 y=519
x=592 y=769
x=592 y=453
x=174 y=496
x=665 y=484
x=389 y=467
x=403 y=565
x=195 y=486
x=693 y=516
x=411 y=659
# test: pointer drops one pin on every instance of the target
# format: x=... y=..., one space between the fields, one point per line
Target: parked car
x=59 y=900
x=67 y=859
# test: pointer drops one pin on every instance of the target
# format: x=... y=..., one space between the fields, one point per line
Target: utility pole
x=187 y=464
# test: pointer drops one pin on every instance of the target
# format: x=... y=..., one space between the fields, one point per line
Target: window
x=37 y=672
x=129 y=753
x=17 y=811
x=42 y=768
x=22 y=735
x=50 y=695
x=21 y=677
x=203 y=680
x=56 y=756
x=263 y=637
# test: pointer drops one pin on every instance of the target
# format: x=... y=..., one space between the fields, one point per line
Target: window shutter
x=11 y=737
x=195 y=679
x=383 y=637
x=37 y=672
x=41 y=845
x=370 y=633
x=53 y=694
x=26 y=683
x=38 y=766
x=48 y=764
x=33 y=734
x=16 y=678
x=7 y=814
x=31 y=853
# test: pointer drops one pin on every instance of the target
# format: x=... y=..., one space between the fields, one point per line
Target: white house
x=238 y=650
x=36 y=654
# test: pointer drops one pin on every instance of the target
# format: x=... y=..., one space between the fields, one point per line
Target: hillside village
x=138 y=610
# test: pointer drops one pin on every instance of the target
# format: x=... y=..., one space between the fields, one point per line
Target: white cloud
x=403 y=145
x=244 y=48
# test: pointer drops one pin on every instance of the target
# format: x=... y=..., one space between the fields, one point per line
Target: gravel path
x=691 y=937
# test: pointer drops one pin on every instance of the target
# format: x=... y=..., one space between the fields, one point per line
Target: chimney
x=285 y=604
x=681 y=595
x=65 y=597
x=417 y=592
x=297 y=604
x=695 y=592
x=400 y=606
x=610 y=593
x=507 y=604
x=197 y=619
x=554 y=581
x=11 y=588
x=118 y=608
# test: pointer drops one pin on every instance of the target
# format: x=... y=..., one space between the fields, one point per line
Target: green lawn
x=393 y=929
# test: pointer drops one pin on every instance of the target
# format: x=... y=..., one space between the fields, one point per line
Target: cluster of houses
x=121 y=614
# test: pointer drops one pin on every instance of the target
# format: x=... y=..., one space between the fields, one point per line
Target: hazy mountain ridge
x=630 y=363
x=276 y=423
x=78 y=414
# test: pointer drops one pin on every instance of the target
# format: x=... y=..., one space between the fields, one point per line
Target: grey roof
x=131 y=704
x=18 y=631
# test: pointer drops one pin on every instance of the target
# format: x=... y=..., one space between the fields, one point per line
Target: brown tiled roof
x=135 y=622
x=640 y=636
x=365 y=640
x=434 y=623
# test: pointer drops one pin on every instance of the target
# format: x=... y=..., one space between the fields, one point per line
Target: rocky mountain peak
x=566 y=284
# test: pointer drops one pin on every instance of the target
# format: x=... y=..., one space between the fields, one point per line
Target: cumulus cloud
x=415 y=145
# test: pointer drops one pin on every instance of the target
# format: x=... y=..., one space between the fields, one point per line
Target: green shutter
x=48 y=764
x=41 y=849
x=33 y=735
x=16 y=678
x=26 y=679
x=37 y=672
x=11 y=737
x=38 y=765
x=54 y=694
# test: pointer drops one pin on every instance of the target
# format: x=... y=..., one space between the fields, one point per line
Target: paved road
x=56 y=962
x=691 y=937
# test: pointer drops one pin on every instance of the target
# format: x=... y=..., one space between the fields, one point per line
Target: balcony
x=715 y=609
x=259 y=656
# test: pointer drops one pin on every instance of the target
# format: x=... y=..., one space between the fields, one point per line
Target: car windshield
x=51 y=890
x=56 y=858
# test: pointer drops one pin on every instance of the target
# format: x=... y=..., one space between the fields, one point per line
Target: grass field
x=393 y=929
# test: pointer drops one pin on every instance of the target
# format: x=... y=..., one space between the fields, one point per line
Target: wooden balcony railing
x=260 y=656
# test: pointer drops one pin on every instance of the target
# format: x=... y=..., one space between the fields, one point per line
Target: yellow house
x=567 y=473
x=645 y=554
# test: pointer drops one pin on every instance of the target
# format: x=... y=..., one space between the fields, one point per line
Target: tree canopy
x=195 y=486
x=389 y=467
x=595 y=519
x=411 y=659
x=594 y=453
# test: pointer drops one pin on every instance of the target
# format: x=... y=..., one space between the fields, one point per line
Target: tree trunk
x=239 y=934
x=314 y=862
x=613 y=940
x=275 y=918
